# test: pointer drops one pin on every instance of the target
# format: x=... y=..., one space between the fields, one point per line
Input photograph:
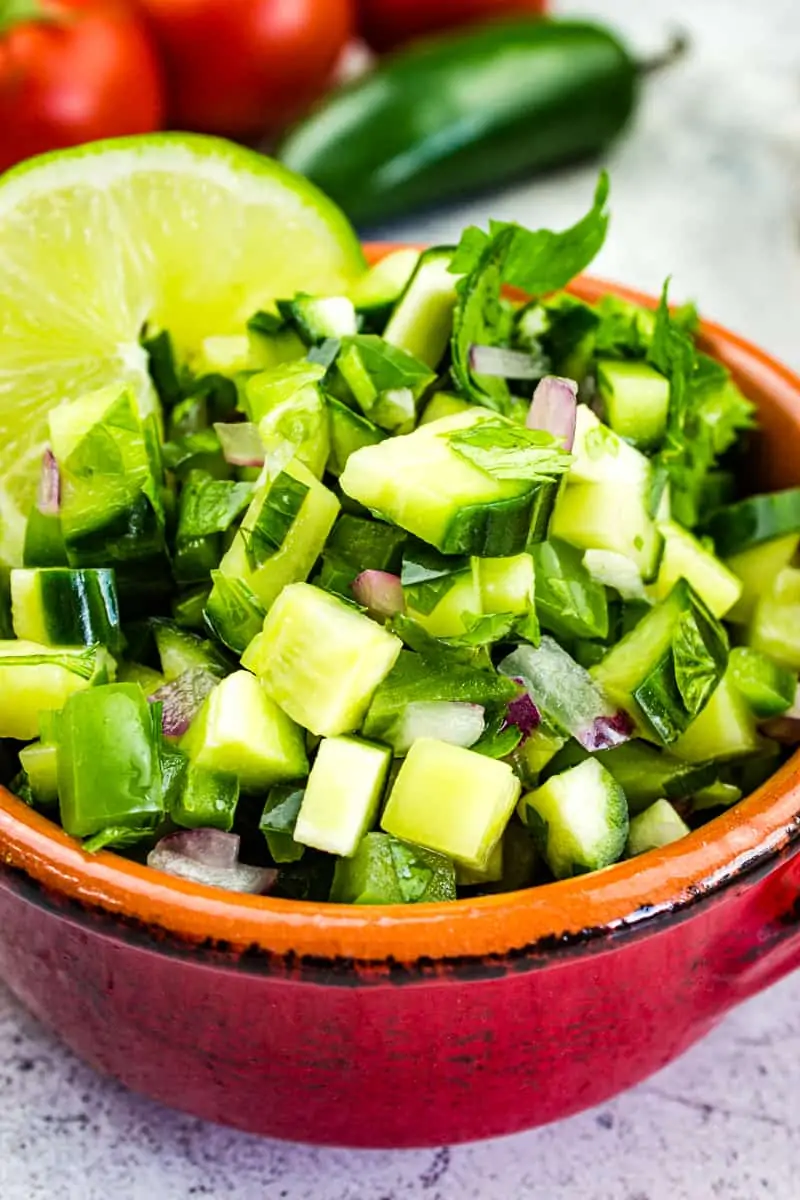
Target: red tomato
x=247 y=67
x=74 y=71
x=385 y=24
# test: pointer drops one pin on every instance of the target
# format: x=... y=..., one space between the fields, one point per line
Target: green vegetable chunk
x=109 y=768
x=321 y=659
x=278 y=821
x=768 y=687
x=207 y=799
x=59 y=607
x=579 y=819
x=342 y=795
x=659 y=825
x=451 y=800
x=38 y=679
x=384 y=870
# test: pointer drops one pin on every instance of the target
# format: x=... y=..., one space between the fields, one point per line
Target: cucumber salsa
x=405 y=594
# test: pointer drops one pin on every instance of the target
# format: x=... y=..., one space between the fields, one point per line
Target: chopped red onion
x=182 y=699
x=567 y=696
x=523 y=713
x=785 y=729
x=380 y=593
x=48 y=499
x=554 y=408
x=238 y=878
x=507 y=364
x=241 y=444
x=451 y=721
x=208 y=847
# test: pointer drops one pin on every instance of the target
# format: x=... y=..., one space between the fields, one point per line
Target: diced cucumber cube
x=349 y=431
x=206 y=800
x=775 y=628
x=718 y=794
x=579 y=819
x=180 y=651
x=599 y=455
x=282 y=533
x=315 y=318
x=657 y=826
x=379 y=288
x=451 y=800
x=109 y=767
x=384 y=870
x=768 y=687
x=292 y=423
x=69 y=423
x=342 y=795
x=506 y=585
x=531 y=758
x=277 y=386
x=605 y=516
x=422 y=322
x=59 y=607
x=686 y=558
x=44 y=541
x=39 y=761
x=423 y=484
x=224 y=355
x=757 y=569
x=241 y=731
x=446 y=619
x=233 y=612
x=725 y=728
x=148 y=679
x=607 y=568
x=321 y=659
x=444 y=404
x=35 y=679
x=636 y=399
x=664 y=671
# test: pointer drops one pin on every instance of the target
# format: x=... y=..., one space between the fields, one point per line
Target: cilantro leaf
x=210 y=505
x=427 y=576
x=507 y=451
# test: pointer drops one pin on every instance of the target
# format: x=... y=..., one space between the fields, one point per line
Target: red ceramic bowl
x=418 y=1025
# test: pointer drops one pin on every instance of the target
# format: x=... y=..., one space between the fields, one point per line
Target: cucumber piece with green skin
x=342 y=795
x=767 y=686
x=775 y=627
x=39 y=761
x=422 y=322
x=505 y=585
x=644 y=772
x=367 y=545
x=148 y=679
x=568 y=601
x=233 y=612
x=718 y=794
x=271 y=342
x=757 y=569
x=599 y=455
x=315 y=318
x=44 y=541
x=579 y=819
x=446 y=618
x=109 y=766
x=755 y=520
x=636 y=400
x=180 y=651
x=207 y=511
x=6 y=625
x=206 y=800
x=444 y=404
x=414 y=680
x=665 y=670
x=376 y=292
x=686 y=558
x=297 y=426
x=241 y=731
x=451 y=800
x=36 y=679
x=57 y=606
x=533 y=756
x=321 y=659
x=659 y=825
x=370 y=371
x=278 y=821
x=188 y=607
x=349 y=431
x=275 y=386
x=282 y=533
x=725 y=729
x=422 y=483
x=384 y=870
x=600 y=516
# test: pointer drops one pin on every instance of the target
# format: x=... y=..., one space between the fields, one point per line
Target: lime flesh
x=188 y=234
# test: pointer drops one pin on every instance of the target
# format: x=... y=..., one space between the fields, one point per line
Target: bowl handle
x=766 y=943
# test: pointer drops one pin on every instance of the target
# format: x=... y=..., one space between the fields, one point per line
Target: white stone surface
x=707 y=187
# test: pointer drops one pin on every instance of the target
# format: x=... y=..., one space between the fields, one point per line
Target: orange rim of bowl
x=756 y=829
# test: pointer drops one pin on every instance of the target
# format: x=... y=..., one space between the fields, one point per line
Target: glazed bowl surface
x=423 y=1024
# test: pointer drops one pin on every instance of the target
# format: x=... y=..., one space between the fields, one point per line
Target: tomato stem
x=17 y=12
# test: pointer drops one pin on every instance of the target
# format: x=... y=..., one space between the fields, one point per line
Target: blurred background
x=460 y=110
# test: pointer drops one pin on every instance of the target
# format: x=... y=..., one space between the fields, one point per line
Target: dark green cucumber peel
x=753 y=521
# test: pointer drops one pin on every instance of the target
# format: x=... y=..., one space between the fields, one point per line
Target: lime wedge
x=189 y=234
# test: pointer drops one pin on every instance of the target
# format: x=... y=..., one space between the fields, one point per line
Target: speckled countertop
x=707 y=186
